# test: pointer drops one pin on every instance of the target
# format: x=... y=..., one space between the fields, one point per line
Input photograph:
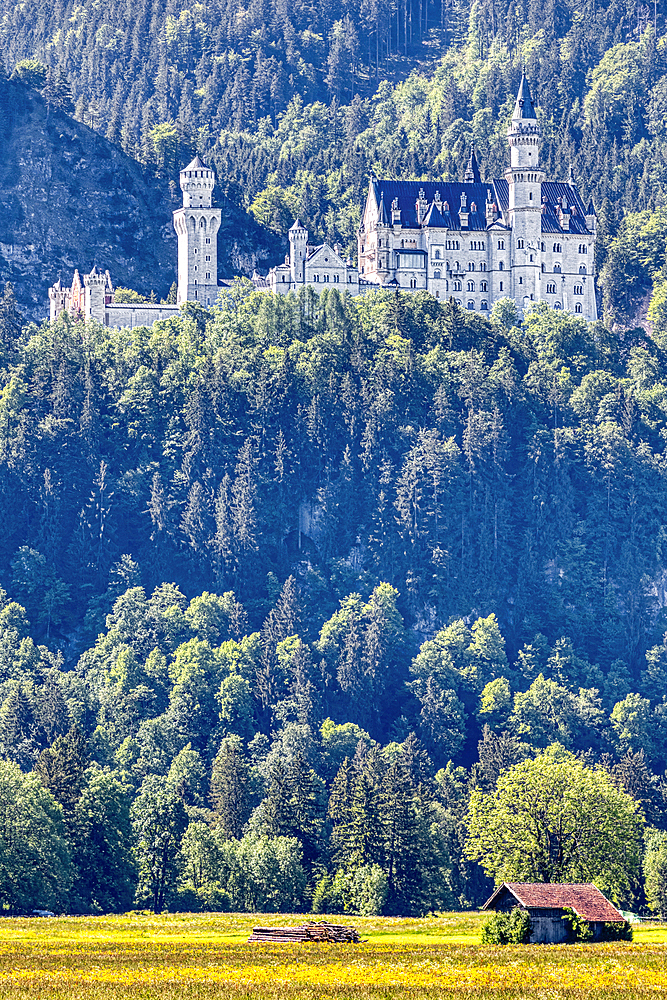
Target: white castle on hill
x=475 y=242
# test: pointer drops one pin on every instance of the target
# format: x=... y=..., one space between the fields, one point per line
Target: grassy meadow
x=206 y=956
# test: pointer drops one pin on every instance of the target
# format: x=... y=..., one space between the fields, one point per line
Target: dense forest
x=286 y=581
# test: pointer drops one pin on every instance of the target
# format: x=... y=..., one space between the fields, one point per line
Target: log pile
x=312 y=931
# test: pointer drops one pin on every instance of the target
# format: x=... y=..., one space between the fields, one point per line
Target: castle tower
x=96 y=286
x=525 y=197
x=197 y=225
x=298 y=243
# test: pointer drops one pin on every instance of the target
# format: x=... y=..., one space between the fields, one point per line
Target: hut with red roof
x=546 y=903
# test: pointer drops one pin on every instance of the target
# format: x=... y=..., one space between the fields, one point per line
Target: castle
x=475 y=241
x=196 y=224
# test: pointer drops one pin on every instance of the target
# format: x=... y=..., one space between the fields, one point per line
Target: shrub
x=507 y=928
x=578 y=929
x=616 y=932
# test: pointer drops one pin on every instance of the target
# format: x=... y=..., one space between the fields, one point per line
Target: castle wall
x=142 y=314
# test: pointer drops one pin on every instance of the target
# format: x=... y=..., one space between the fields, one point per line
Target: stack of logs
x=312 y=931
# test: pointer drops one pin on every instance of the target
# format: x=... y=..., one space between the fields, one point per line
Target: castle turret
x=298 y=243
x=96 y=286
x=525 y=197
x=197 y=225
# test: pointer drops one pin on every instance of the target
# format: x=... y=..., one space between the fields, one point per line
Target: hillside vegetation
x=319 y=567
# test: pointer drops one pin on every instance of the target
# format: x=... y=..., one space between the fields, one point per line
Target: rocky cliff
x=69 y=198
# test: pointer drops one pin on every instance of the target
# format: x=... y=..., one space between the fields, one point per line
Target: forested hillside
x=223 y=533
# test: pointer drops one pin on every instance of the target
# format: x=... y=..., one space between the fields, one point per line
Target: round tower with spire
x=197 y=224
x=525 y=197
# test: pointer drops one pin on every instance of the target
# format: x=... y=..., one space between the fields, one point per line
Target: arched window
x=501 y=244
x=471 y=286
x=471 y=267
x=577 y=308
x=556 y=268
x=437 y=295
x=208 y=275
x=578 y=289
x=283 y=278
x=544 y=247
x=557 y=305
x=436 y=274
x=483 y=287
x=458 y=302
x=484 y=305
x=500 y=265
x=500 y=286
x=482 y=266
x=551 y=289
x=582 y=269
x=202 y=224
x=519 y=244
x=544 y=267
x=316 y=277
x=457 y=286
x=437 y=255
x=471 y=304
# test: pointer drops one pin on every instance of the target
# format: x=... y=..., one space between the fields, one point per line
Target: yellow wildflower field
x=206 y=956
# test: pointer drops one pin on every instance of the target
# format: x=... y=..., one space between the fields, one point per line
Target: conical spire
x=472 y=170
x=524 y=107
x=383 y=217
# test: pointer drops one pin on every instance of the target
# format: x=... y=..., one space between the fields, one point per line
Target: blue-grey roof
x=445 y=214
x=524 y=107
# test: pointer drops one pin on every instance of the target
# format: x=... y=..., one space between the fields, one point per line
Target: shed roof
x=582 y=897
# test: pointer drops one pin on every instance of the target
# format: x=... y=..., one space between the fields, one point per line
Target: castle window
x=577 y=308
x=195 y=281
x=208 y=257
x=326 y=277
x=582 y=269
x=195 y=250
x=556 y=268
x=500 y=286
x=436 y=274
x=578 y=290
x=208 y=239
x=437 y=255
x=202 y=224
x=471 y=267
x=437 y=295
x=543 y=268
x=196 y=294
x=530 y=196
x=336 y=278
x=349 y=279
x=457 y=286
x=283 y=278
x=402 y=243
x=551 y=289
x=483 y=287
x=519 y=244
x=482 y=266
x=473 y=206
x=531 y=258
x=471 y=304
x=501 y=244
x=316 y=277
x=500 y=265
x=544 y=247
x=521 y=281
x=471 y=286
x=484 y=305
x=557 y=248
x=208 y=275
x=196 y=268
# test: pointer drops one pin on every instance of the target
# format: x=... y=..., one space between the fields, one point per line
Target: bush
x=578 y=929
x=507 y=928
x=616 y=932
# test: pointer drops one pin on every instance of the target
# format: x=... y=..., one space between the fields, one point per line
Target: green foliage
x=578 y=929
x=507 y=928
x=655 y=871
x=552 y=819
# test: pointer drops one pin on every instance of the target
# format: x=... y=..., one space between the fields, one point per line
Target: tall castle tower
x=197 y=225
x=525 y=202
x=298 y=245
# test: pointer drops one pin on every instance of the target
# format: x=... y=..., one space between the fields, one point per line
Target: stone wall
x=143 y=314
